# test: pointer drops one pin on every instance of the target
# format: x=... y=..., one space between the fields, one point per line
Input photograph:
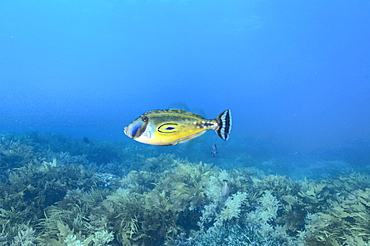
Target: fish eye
x=144 y=118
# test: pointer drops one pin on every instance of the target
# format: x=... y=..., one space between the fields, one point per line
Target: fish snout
x=125 y=131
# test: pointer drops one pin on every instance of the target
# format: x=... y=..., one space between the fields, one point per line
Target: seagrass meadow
x=59 y=191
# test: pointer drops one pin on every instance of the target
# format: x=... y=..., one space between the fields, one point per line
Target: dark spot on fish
x=199 y=125
x=207 y=124
x=167 y=128
x=204 y=124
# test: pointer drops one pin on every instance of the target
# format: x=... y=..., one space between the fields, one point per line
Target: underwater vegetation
x=60 y=191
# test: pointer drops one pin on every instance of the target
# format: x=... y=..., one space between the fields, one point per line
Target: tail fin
x=224 y=124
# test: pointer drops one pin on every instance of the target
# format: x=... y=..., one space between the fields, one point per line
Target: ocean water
x=295 y=75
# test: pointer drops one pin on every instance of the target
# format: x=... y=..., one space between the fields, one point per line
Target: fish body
x=214 y=150
x=86 y=140
x=173 y=126
x=225 y=190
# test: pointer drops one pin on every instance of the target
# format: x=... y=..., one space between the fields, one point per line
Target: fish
x=172 y=126
x=225 y=191
x=214 y=150
x=86 y=140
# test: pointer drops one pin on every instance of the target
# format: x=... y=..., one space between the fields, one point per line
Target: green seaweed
x=57 y=191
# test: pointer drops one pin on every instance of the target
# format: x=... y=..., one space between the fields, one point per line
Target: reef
x=60 y=191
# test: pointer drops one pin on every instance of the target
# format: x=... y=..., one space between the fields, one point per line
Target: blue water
x=295 y=74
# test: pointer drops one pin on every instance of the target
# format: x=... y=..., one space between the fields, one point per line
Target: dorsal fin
x=180 y=111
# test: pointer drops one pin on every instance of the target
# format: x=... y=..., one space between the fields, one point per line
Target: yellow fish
x=173 y=126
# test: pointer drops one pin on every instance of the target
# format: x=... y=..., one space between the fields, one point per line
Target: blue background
x=293 y=73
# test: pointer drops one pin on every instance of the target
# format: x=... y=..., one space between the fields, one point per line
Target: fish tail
x=224 y=124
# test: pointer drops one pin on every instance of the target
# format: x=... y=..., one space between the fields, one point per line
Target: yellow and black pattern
x=173 y=126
